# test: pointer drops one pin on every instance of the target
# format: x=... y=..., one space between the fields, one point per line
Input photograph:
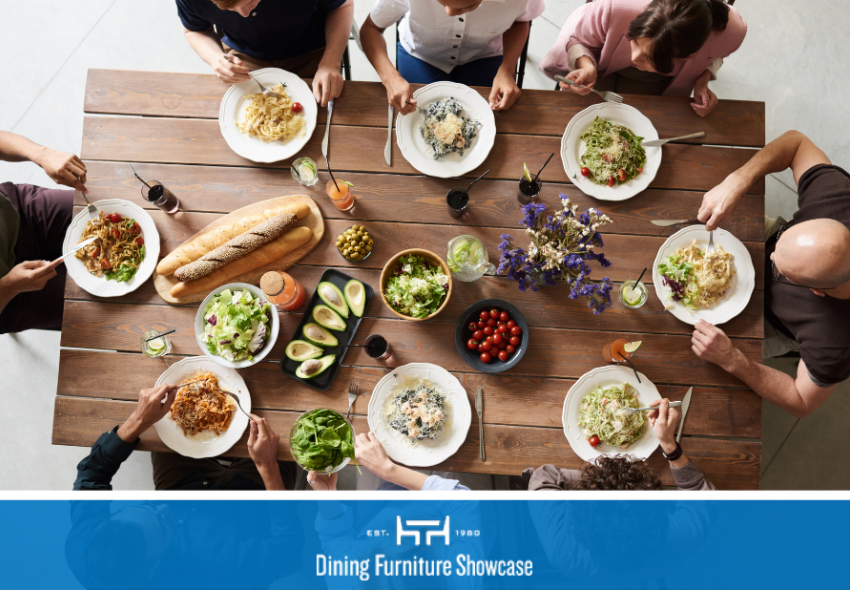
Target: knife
x=80 y=246
x=685 y=403
x=669 y=222
x=479 y=408
x=388 y=151
x=660 y=142
x=327 y=129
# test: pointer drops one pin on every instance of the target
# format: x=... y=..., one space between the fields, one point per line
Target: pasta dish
x=202 y=406
x=445 y=130
x=118 y=250
x=613 y=153
x=602 y=415
x=695 y=278
x=273 y=118
x=417 y=410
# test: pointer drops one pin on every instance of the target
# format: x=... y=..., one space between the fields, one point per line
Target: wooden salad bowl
x=389 y=270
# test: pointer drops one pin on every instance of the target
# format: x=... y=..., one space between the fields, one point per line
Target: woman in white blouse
x=474 y=42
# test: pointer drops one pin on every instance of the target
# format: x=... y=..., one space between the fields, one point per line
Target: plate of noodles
x=694 y=285
x=421 y=414
x=203 y=421
x=263 y=128
x=124 y=255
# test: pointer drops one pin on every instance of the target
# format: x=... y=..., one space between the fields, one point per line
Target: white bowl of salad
x=416 y=284
x=236 y=326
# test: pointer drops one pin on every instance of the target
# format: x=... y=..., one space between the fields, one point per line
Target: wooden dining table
x=166 y=125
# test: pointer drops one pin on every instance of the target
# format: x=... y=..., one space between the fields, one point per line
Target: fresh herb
x=322 y=440
x=124 y=272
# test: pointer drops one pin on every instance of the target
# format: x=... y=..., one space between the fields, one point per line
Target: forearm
x=669 y=447
x=271 y=477
x=205 y=45
x=96 y=471
x=14 y=148
x=404 y=477
x=513 y=41
x=7 y=293
x=703 y=80
x=337 y=32
x=375 y=48
x=770 y=384
x=774 y=157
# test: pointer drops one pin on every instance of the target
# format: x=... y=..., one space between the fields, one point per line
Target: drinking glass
x=304 y=171
x=156 y=347
x=467 y=259
x=159 y=195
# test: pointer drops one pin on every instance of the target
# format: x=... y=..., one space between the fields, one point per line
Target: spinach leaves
x=322 y=440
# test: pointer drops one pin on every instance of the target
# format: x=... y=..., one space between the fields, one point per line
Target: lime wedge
x=307 y=171
x=632 y=347
x=527 y=173
x=346 y=183
x=156 y=345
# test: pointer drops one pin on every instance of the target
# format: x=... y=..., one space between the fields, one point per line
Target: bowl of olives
x=355 y=243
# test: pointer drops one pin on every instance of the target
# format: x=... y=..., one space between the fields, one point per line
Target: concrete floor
x=792 y=59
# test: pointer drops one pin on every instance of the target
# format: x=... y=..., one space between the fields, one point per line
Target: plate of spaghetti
x=124 y=254
x=203 y=421
x=694 y=284
x=265 y=128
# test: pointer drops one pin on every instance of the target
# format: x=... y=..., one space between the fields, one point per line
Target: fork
x=353 y=392
x=93 y=212
x=710 y=249
x=607 y=96
x=630 y=411
x=236 y=397
x=263 y=89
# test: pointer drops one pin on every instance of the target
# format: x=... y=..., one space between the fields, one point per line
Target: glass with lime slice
x=528 y=188
x=304 y=171
x=633 y=294
x=152 y=346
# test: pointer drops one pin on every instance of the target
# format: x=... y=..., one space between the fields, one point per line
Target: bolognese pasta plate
x=203 y=422
x=251 y=124
x=725 y=295
x=137 y=246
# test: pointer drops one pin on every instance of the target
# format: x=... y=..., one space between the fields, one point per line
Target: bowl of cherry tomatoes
x=491 y=336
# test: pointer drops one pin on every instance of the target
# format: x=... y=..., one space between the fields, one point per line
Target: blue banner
x=419 y=544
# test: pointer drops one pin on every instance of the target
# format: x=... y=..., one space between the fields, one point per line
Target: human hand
x=370 y=453
x=327 y=84
x=704 y=99
x=719 y=203
x=505 y=92
x=664 y=422
x=711 y=344
x=585 y=76
x=399 y=94
x=30 y=275
x=323 y=482
x=263 y=444
x=229 y=69
x=62 y=168
x=152 y=406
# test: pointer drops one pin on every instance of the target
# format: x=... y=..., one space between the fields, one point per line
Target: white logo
x=401 y=532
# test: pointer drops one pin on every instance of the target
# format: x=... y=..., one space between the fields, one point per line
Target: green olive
x=368 y=248
x=359 y=234
x=356 y=256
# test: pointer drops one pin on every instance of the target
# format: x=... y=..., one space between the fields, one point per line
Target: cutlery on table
x=710 y=249
x=660 y=142
x=236 y=397
x=79 y=246
x=669 y=222
x=353 y=392
x=327 y=130
x=607 y=96
x=685 y=403
x=263 y=89
x=630 y=411
x=479 y=409
x=93 y=212
x=388 y=150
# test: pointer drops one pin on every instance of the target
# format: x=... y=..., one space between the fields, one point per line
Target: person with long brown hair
x=669 y=47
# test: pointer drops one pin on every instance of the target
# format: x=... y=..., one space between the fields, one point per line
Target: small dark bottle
x=159 y=195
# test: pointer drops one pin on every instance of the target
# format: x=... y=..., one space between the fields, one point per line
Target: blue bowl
x=462 y=334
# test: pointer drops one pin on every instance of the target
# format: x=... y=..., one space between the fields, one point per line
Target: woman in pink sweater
x=669 y=47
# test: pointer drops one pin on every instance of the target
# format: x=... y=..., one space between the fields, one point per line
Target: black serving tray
x=324 y=381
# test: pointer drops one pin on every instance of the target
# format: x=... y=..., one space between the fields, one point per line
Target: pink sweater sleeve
x=587 y=27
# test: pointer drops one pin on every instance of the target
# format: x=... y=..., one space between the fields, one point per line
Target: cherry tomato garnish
x=114 y=217
x=472 y=344
x=514 y=341
x=481 y=325
x=491 y=322
x=498 y=339
x=485 y=357
x=116 y=232
x=516 y=331
x=96 y=253
x=136 y=229
x=502 y=329
x=487 y=346
x=611 y=181
x=494 y=313
x=503 y=356
x=478 y=335
x=504 y=316
x=472 y=326
x=511 y=324
x=104 y=264
x=593 y=441
x=488 y=331
x=484 y=315
x=140 y=241
x=585 y=171
x=640 y=169
x=296 y=107
x=510 y=348
x=606 y=158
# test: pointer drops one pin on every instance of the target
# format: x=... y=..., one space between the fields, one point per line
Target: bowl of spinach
x=322 y=440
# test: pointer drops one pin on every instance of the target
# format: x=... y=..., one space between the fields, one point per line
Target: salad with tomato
x=613 y=154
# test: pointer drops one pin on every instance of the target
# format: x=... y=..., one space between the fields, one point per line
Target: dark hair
x=677 y=28
x=619 y=472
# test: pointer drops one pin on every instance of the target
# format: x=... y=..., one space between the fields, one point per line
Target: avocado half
x=328 y=318
x=355 y=296
x=331 y=295
x=316 y=334
x=312 y=368
x=299 y=350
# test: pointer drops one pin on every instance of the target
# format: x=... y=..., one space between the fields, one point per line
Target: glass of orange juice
x=283 y=290
x=619 y=350
x=340 y=194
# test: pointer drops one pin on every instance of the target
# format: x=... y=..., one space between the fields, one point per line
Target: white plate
x=427 y=452
x=233 y=106
x=743 y=282
x=604 y=376
x=203 y=444
x=572 y=147
x=417 y=152
x=99 y=286
x=199 y=328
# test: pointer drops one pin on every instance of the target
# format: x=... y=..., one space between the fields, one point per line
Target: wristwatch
x=675 y=454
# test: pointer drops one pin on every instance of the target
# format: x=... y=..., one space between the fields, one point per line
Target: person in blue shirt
x=306 y=37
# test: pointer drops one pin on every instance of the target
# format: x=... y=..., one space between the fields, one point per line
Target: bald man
x=807 y=275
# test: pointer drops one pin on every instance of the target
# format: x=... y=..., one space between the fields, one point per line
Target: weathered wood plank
x=517 y=401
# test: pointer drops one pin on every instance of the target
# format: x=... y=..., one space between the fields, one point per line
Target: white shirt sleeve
x=715 y=67
x=575 y=52
x=388 y=12
x=533 y=9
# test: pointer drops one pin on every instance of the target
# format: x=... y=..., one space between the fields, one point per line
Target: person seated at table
x=807 y=278
x=306 y=38
x=175 y=472
x=623 y=472
x=473 y=42
x=33 y=221
x=380 y=473
x=669 y=47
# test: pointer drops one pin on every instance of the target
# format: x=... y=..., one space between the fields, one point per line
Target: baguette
x=211 y=240
x=269 y=253
x=238 y=247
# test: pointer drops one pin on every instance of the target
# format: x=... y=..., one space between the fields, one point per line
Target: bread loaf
x=269 y=253
x=243 y=244
x=211 y=240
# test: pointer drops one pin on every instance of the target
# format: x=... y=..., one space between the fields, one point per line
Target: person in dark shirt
x=807 y=277
x=174 y=472
x=306 y=37
x=33 y=221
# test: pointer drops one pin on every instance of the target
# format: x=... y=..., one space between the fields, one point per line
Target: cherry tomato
x=478 y=335
x=502 y=329
x=503 y=345
x=640 y=169
x=104 y=264
x=481 y=325
x=488 y=339
x=611 y=181
x=115 y=232
x=487 y=346
x=484 y=315
x=472 y=344
x=621 y=174
x=511 y=324
x=136 y=229
x=503 y=356
x=516 y=331
x=488 y=331
x=500 y=323
x=96 y=253
x=113 y=217
x=491 y=322
x=498 y=339
x=585 y=171
x=296 y=107
x=606 y=158
x=504 y=316
x=480 y=348
x=472 y=326
x=485 y=357
x=494 y=313
x=140 y=241
x=514 y=341
x=510 y=348
x=594 y=441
